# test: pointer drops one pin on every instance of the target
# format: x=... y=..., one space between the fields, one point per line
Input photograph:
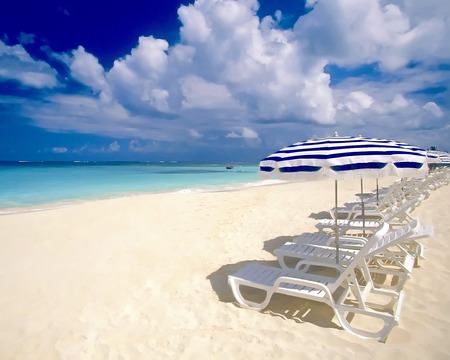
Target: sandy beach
x=145 y=277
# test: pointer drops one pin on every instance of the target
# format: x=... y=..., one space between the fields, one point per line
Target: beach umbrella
x=433 y=157
x=344 y=157
x=445 y=158
x=438 y=158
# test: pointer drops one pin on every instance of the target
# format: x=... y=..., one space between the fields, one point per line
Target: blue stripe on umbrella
x=408 y=165
x=266 y=168
x=294 y=169
x=359 y=166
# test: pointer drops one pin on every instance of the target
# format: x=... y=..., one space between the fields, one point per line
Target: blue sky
x=218 y=79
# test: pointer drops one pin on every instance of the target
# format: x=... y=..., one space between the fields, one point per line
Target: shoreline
x=191 y=190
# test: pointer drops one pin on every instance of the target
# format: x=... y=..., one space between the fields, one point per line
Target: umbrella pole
x=377 y=192
x=362 y=208
x=336 y=229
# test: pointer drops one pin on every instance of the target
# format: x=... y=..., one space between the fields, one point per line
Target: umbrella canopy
x=436 y=157
x=433 y=157
x=345 y=157
x=445 y=159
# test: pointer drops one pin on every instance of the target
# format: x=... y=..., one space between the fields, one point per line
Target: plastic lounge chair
x=322 y=247
x=389 y=257
x=425 y=186
x=398 y=216
x=395 y=257
x=365 y=227
x=356 y=242
x=373 y=205
x=344 y=293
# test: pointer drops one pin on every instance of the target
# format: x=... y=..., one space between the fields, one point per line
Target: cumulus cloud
x=375 y=31
x=138 y=81
x=358 y=101
x=229 y=67
x=85 y=68
x=201 y=94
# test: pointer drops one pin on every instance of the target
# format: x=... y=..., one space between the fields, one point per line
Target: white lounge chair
x=397 y=216
x=345 y=293
x=390 y=258
x=425 y=186
x=373 y=204
x=366 y=227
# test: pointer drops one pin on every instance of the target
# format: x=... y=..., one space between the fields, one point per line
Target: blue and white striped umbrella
x=438 y=157
x=445 y=159
x=344 y=157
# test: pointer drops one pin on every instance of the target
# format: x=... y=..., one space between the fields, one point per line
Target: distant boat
x=229 y=167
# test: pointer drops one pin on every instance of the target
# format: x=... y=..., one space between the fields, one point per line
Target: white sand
x=146 y=278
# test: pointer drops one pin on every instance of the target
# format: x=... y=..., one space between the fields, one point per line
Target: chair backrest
x=394 y=194
x=394 y=237
x=403 y=208
x=360 y=256
x=386 y=200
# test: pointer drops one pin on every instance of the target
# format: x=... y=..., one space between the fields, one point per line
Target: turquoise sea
x=38 y=185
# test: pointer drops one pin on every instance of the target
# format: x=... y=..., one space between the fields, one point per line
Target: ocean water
x=37 y=185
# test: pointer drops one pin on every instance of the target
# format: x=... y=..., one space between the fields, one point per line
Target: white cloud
x=398 y=103
x=93 y=149
x=59 y=150
x=195 y=134
x=114 y=147
x=86 y=69
x=248 y=133
x=433 y=108
x=234 y=70
x=17 y=64
x=245 y=133
x=233 y=135
x=194 y=27
x=134 y=80
x=319 y=98
x=351 y=32
x=201 y=94
x=278 y=15
x=358 y=101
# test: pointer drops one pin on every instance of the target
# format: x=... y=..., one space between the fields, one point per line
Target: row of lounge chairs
x=368 y=277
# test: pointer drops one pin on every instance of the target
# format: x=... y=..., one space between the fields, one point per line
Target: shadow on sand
x=271 y=245
x=320 y=215
x=286 y=307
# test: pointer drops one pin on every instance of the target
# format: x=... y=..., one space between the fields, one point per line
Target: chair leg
x=389 y=321
x=235 y=285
